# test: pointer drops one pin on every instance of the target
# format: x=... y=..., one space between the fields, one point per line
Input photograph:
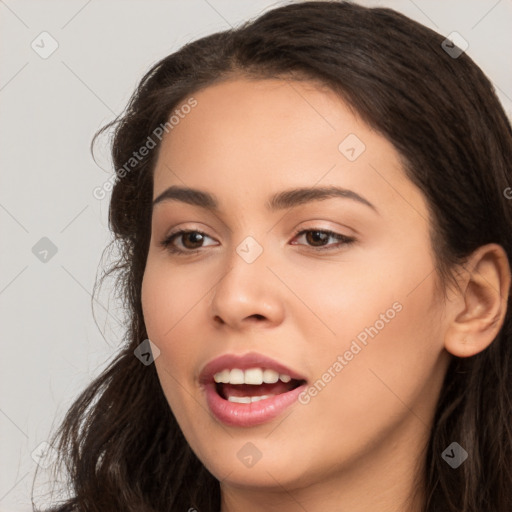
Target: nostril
x=218 y=319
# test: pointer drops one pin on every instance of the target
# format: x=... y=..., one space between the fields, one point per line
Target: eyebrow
x=285 y=199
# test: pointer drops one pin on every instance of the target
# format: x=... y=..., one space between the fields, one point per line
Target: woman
x=314 y=222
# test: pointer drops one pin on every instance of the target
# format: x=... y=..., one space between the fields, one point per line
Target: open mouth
x=250 y=390
x=253 y=385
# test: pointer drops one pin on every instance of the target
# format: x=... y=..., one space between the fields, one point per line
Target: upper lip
x=244 y=362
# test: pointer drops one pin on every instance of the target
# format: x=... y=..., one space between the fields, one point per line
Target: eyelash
x=167 y=243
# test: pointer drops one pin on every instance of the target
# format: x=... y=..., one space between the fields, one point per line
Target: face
x=336 y=291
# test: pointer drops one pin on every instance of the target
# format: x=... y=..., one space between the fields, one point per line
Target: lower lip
x=249 y=415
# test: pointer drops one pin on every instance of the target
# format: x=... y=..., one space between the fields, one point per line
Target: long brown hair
x=119 y=443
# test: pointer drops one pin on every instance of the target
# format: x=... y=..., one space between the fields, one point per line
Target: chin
x=257 y=464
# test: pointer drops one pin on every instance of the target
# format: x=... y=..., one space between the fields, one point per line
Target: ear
x=478 y=311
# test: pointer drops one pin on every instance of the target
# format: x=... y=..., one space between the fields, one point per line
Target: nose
x=248 y=294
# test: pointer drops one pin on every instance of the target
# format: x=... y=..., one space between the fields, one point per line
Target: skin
x=358 y=444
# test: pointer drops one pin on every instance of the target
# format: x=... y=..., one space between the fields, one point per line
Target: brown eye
x=191 y=241
x=317 y=239
x=194 y=238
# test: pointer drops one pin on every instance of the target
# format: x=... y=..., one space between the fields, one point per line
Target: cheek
x=167 y=301
x=383 y=317
x=169 y=296
x=167 y=304
x=334 y=302
x=391 y=371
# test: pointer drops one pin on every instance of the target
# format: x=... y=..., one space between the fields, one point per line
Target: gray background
x=50 y=108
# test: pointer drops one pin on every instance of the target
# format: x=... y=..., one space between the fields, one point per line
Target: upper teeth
x=251 y=376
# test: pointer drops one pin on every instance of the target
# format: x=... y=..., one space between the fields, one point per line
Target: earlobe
x=479 y=311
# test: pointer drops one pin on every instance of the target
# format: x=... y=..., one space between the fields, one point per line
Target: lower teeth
x=246 y=399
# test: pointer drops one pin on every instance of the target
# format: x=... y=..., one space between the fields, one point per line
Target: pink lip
x=255 y=413
x=249 y=415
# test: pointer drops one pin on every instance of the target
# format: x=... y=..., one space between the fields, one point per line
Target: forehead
x=255 y=137
x=273 y=110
